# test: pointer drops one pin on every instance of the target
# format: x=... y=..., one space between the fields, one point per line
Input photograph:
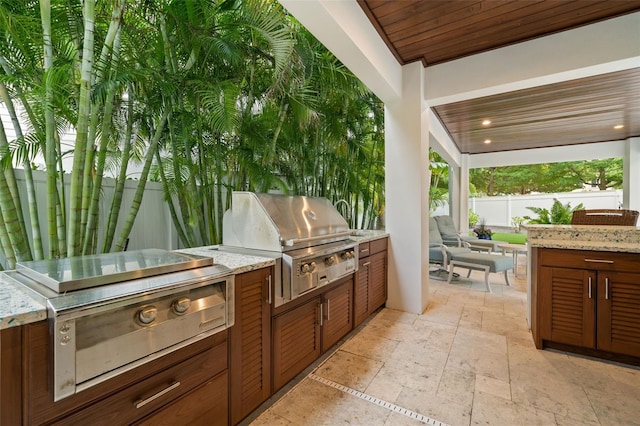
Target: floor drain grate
x=381 y=403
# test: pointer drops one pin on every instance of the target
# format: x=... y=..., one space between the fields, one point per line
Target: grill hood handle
x=292 y=242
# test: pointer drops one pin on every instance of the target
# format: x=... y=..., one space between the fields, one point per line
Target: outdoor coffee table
x=515 y=249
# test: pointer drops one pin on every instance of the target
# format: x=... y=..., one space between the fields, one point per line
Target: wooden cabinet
x=167 y=384
x=250 y=343
x=371 y=279
x=589 y=300
x=309 y=327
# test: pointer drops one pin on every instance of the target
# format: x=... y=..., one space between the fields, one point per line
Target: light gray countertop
x=19 y=305
x=585 y=237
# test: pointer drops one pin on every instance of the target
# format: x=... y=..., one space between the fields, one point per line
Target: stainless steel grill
x=306 y=235
x=113 y=312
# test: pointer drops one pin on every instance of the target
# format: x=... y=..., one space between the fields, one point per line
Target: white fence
x=498 y=211
x=152 y=228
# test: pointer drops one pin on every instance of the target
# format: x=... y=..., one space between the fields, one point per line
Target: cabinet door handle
x=598 y=261
x=321 y=313
x=589 y=287
x=606 y=288
x=269 y=289
x=164 y=391
x=328 y=311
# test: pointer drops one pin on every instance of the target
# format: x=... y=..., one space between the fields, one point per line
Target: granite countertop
x=364 y=235
x=19 y=305
x=585 y=237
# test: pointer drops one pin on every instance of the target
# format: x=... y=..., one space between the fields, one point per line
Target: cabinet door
x=619 y=313
x=337 y=313
x=567 y=305
x=250 y=343
x=296 y=341
x=361 y=296
x=377 y=281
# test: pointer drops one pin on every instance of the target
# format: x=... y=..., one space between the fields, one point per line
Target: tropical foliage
x=547 y=178
x=206 y=97
x=558 y=215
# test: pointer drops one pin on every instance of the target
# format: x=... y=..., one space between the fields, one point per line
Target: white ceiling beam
x=603 y=47
x=345 y=30
x=591 y=151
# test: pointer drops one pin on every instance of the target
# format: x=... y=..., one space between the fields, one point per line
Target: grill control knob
x=147 y=315
x=181 y=305
x=312 y=266
x=347 y=255
x=305 y=268
x=329 y=261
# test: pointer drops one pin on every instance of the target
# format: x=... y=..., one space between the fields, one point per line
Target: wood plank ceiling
x=573 y=112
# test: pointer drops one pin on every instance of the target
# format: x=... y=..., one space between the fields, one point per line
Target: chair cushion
x=434 y=233
x=496 y=263
x=446 y=226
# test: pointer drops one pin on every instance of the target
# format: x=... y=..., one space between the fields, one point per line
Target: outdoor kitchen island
x=208 y=366
x=584 y=289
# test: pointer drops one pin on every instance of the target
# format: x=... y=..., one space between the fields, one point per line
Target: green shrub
x=560 y=213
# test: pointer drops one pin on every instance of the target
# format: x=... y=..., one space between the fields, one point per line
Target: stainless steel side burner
x=113 y=312
x=75 y=273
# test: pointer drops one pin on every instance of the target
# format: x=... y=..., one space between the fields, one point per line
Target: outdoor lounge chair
x=452 y=237
x=463 y=257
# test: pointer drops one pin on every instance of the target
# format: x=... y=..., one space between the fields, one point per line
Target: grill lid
x=80 y=272
x=278 y=222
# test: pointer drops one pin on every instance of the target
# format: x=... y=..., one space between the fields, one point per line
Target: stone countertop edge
x=19 y=305
x=585 y=237
x=365 y=235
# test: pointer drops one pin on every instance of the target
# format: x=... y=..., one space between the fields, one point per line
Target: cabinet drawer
x=364 y=250
x=586 y=259
x=205 y=406
x=153 y=393
x=376 y=246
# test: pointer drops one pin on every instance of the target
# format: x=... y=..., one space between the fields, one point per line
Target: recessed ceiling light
x=486 y=122
x=487 y=141
x=618 y=126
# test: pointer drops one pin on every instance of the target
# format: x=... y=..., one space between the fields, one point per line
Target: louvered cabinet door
x=567 y=303
x=296 y=341
x=337 y=313
x=361 y=296
x=619 y=312
x=378 y=281
x=250 y=343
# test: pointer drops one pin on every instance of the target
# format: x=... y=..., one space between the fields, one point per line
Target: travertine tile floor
x=468 y=359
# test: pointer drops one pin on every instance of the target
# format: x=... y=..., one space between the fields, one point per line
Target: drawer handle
x=366 y=264
x=598 y=261
x=140 y=404
x=206 y=323
x=364 y=251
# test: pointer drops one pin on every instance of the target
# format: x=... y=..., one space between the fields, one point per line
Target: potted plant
x=482 y=232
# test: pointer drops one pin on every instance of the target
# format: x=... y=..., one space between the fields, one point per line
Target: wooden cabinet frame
x=588 y=302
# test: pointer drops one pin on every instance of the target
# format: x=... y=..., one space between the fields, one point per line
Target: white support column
x=407 y=194
x=631 y=174
x=464 y=193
